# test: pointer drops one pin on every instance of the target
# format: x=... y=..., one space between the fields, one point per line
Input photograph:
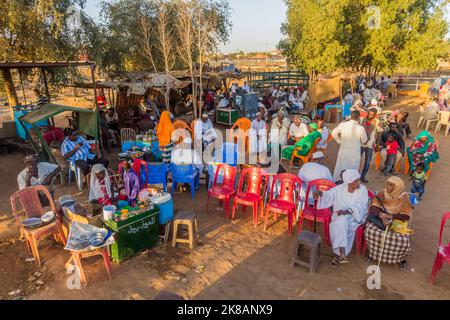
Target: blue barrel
x=164 y=203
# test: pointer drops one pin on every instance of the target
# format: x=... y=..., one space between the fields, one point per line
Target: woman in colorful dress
x=424 y=149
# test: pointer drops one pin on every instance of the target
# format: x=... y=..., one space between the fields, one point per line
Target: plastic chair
x=304 y=159
x=252 y=196
x=429 y=123
x=378 y=162
x=322 y=215
x=77 y=257
x=286 y=201
x=32 y=207
x=78 y=175
x=155 y=173
x=422 y=119
x=444 y=121
x=225 y=191
x=443 y=254
x=244 y=125
x=127 y=134
x=185 y=174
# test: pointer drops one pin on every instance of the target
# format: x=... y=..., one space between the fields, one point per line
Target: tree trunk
x=13 y=100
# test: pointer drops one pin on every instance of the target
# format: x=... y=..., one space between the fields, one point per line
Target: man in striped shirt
x=76 y=150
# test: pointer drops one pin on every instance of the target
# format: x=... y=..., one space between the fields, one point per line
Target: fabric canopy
x=88 y=122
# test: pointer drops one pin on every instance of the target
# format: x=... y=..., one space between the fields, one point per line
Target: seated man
x=38 y=173
x=350 y=205
x=311 y=171
x=432 y=110
x=147 y=123
x=112 y=119
x=297 y=131
x=224 y=102
x=204 y=131
x=382 y=144
x=76 y=150
x=258 y=139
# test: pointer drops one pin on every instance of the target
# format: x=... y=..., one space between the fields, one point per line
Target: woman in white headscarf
x=100 y=186
x=350 y=204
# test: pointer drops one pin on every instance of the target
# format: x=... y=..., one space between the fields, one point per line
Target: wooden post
x=23 y=89
x=99 y=138
x=10 y=90
x=47 y=93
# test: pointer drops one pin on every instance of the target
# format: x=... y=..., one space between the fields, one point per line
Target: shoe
x=364 y=180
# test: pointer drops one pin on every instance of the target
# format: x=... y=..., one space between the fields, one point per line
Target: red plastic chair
x=285 y=203
x=323 y=215
x=360 y=241
x=443 y=254
x=225 y=191
x=252 y=196
x=32 y=207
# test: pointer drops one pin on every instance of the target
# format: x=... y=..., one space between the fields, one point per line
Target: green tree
x=365 y=35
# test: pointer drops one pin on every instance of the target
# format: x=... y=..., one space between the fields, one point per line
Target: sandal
x=403 y=265
x=343 y=260
x=334 y=263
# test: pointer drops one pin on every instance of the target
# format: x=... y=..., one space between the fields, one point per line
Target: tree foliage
x=365 y=35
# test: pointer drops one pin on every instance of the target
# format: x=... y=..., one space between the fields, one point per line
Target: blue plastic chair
x=127 y=146
x=228 y=154
x=185 y=174
x=155 y=173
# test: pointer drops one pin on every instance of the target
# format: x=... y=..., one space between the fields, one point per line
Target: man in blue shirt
x=76 y=150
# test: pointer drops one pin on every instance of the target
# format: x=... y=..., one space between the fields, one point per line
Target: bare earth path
x=240 y=262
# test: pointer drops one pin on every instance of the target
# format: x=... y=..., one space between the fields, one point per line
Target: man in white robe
x=311 y=171
x=204 y=131
x=350 y=205
x=258 y=138
x=350 y=135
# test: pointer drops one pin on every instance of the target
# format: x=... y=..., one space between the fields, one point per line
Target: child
x=392 y=148
x=132 y=185
x=419 y=180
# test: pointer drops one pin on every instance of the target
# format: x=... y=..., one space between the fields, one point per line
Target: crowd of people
x=358 y=138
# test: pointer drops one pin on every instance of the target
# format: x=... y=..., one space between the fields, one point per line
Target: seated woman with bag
x=389 y=217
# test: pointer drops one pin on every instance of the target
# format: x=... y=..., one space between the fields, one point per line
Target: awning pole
x=23 y=88
x=99 y=131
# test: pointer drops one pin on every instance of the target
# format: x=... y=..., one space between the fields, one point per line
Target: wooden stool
x=78 y=256
x=188 y=219
x=308 y=251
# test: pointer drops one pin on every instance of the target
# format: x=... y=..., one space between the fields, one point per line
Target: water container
x=164 y=203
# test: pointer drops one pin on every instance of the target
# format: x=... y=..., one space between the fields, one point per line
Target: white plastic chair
x=78 y=175
x=423 y=119
x=444 y=120
x=127 y=134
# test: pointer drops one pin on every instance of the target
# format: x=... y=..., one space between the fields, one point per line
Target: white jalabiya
x=309 y=172
x=351 y=136
x=258 y=137
x=343 y=228
x=205 y=131
x=95 y=189
x=279 y=131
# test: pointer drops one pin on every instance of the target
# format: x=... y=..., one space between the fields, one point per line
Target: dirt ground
x=236 y=261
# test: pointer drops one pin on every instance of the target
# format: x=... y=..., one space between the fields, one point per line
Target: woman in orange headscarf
x=164 y=132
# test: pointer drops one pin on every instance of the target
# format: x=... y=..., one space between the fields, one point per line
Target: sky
x=256 y=24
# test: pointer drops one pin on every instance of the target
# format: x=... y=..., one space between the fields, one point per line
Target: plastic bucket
x=108 y=212
x=164 y=203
